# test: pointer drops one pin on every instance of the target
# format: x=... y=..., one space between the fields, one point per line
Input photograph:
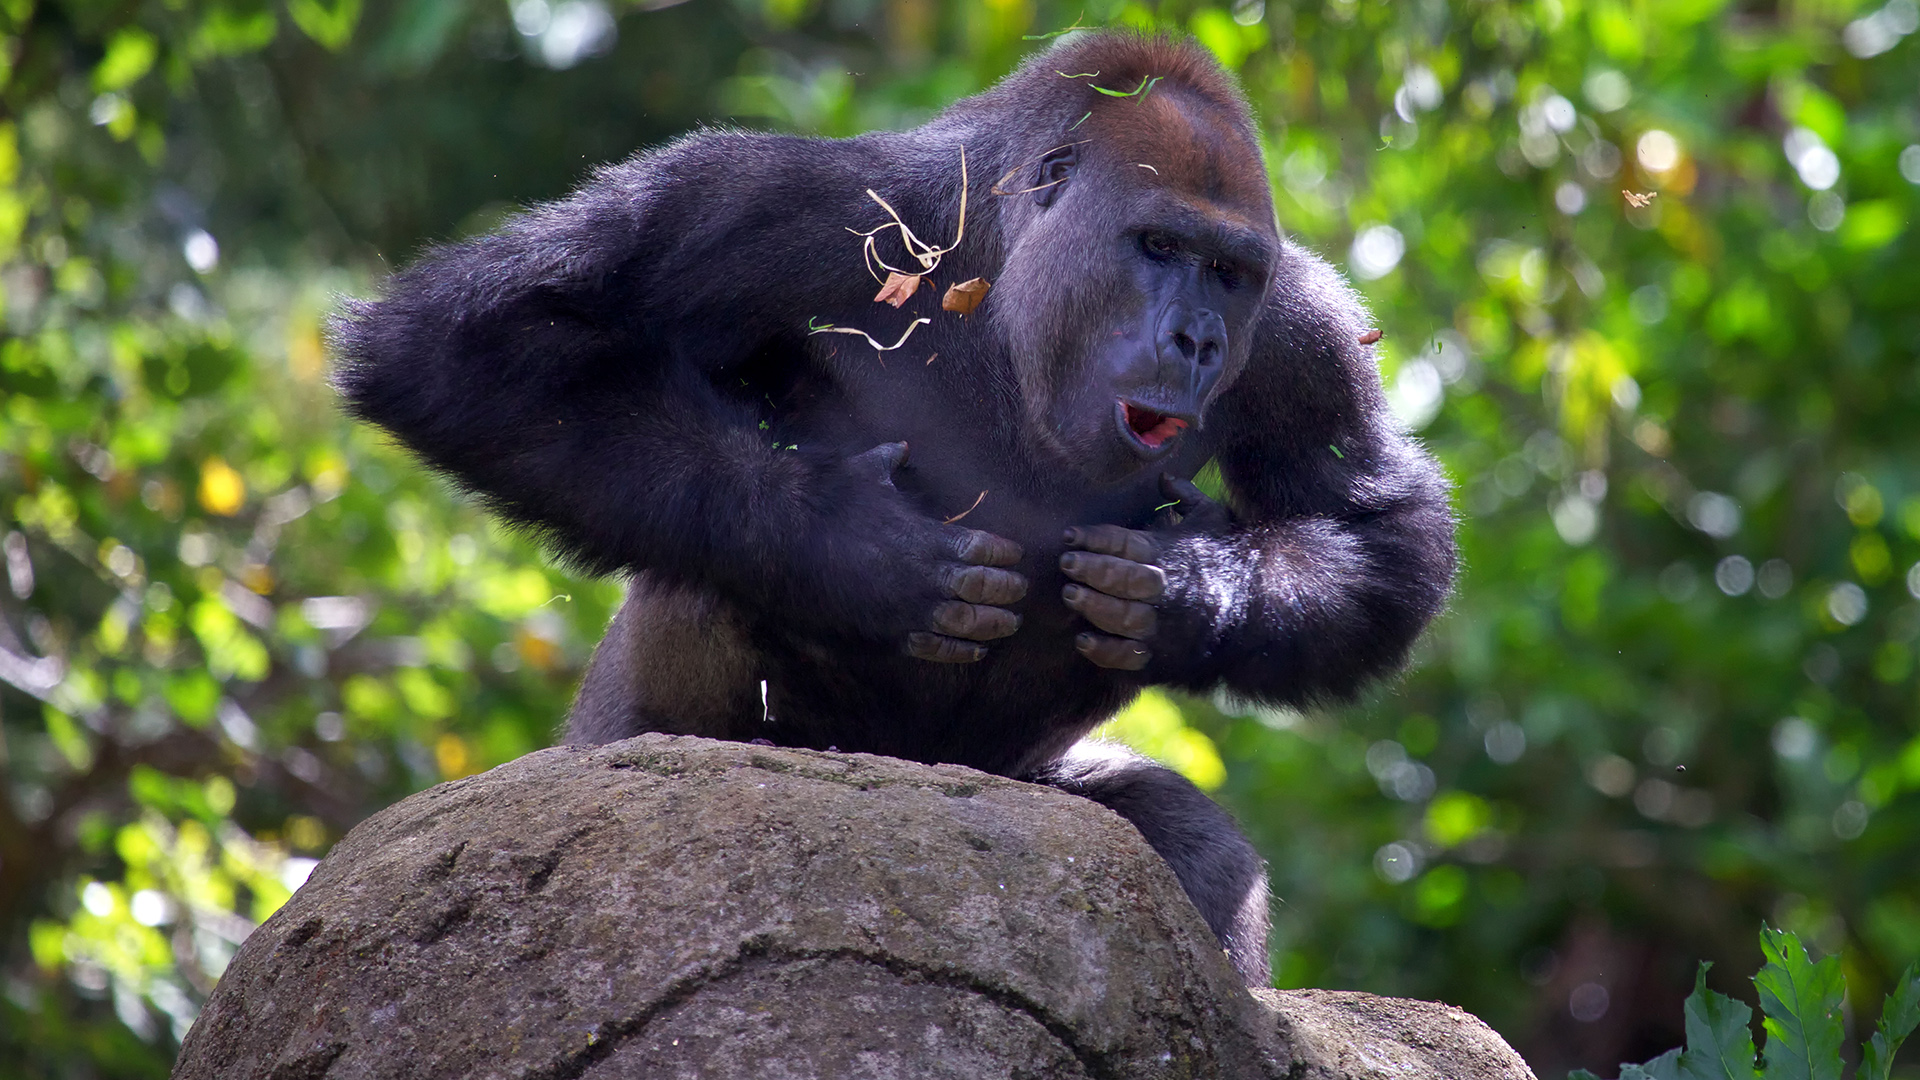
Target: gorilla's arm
x=1338 y=547
x=595 y=370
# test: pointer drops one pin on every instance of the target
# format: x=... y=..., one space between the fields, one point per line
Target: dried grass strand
x=923 y=253
x=832 y=329
x=1008 y=175
x=976 y=505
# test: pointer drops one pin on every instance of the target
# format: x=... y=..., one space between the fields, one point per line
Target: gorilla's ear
x=1051 y=178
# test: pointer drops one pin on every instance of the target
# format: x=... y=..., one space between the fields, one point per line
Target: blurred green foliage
x=1648 y=273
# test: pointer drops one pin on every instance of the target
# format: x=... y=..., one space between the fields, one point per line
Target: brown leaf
x=898 y=289
x=966 y=296
x=1370 y=337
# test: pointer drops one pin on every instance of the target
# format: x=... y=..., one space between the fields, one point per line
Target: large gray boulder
x=678 y=907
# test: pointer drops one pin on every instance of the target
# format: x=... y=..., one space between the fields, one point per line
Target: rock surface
x=677 y=907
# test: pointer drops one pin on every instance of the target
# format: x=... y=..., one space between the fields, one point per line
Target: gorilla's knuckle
x=1110 y=540
x=1141 y=548
x=1003 y=587
x=965 y=583
x=954 y=617
x=985 y=549
x=1139 y=621
x=943 y=650
x=974 y=621
x=1149 y=583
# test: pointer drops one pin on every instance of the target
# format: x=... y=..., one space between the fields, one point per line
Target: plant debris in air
x=968 y=510
x=966 y=296
x=1146 y=84
x=898 y=289
x=1367 y=338
x=923 y=253
x=829 y=328
x=1000 y=185
x=1042 y=37
x=1639 y=201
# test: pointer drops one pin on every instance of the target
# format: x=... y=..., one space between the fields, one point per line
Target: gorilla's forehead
x=1191 y=145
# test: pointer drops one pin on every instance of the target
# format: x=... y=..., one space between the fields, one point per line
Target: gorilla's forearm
x=1303 y=610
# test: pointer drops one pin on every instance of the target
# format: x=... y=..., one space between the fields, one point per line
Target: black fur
x=630 y=371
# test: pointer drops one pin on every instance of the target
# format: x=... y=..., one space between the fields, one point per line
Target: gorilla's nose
x=1192 y=346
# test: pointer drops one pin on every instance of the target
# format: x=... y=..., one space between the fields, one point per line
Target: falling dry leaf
x=898 y=289
x=1370 y=337
x=966 y=296
x=1639 y=201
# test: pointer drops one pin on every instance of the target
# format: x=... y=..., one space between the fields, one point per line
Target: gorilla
x=945 y=524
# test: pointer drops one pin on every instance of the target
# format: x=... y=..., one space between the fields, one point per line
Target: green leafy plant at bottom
x=1801 y=1000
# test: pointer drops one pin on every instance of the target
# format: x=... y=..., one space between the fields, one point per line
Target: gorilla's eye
x=1229 y=275
x=1159 y=246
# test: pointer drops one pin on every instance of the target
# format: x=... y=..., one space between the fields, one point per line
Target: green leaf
x=129 y=55
x=331 y=26
x=230 y=33
x=1664 y=1067
x=1897 y=1021
x=1873 y=224
x=1802 y=1003
x=1581 y=1074
x=1719 y=1042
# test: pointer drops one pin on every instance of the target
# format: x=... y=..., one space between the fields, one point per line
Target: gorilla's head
x=1142 y=258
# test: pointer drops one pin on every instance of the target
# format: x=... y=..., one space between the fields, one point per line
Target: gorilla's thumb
x=879 y=463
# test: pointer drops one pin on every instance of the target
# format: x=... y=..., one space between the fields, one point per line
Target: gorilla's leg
x=1224 y=877
x=675 y=659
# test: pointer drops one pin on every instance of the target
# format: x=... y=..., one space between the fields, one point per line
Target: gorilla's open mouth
x=1148 y=428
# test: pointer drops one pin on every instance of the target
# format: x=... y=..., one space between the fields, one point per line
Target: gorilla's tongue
x=1151 y=427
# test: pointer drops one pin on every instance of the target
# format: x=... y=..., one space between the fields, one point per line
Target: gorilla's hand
x=1119 y=579
x=978 y=589
x=966 y=567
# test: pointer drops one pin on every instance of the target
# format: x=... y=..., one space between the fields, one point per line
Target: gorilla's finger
x=985 y=585
x=1116 y=577
x=974 y=621
x=1110 y=613
x=943 y=650
x=1112 y=652
x=984 y=548
x=1114 y=540
x=879 y=463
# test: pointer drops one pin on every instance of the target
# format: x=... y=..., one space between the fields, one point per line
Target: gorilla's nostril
x=1187 y=346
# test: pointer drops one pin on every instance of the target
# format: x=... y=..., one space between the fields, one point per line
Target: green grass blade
x=1719 y=1040
x=1801 y=1000
x=1897 y=1020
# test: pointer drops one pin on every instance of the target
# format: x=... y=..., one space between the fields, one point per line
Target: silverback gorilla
x=648 y=373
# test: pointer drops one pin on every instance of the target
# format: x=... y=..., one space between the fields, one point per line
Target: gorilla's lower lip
x=1149 y=429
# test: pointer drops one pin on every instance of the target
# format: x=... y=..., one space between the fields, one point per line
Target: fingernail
x=1069 y=561
x=1072 y=536
x=1071 y=593
x=1083 y=642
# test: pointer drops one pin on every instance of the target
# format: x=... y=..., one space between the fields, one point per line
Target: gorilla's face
x=1143 y=273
